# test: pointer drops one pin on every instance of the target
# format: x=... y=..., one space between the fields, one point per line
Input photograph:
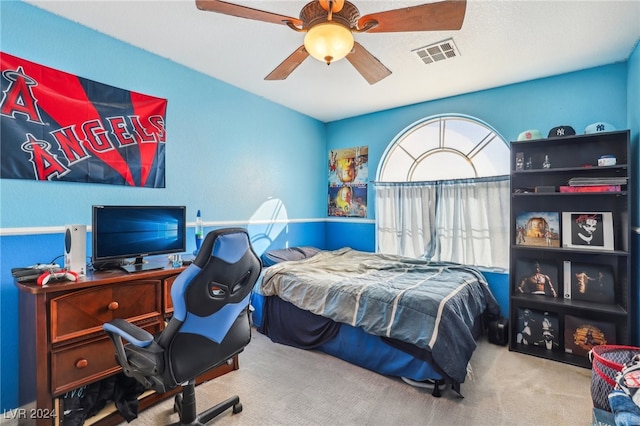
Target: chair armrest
x=142 y=357
x=129 y=332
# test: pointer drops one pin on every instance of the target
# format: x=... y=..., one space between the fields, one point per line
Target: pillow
x=272 y=257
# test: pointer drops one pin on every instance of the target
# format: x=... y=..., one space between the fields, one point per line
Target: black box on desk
x=545 y=189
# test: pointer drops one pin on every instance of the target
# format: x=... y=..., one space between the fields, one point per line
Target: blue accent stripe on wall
x=359 y=235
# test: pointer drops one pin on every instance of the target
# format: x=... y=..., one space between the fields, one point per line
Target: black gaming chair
x=210 y=324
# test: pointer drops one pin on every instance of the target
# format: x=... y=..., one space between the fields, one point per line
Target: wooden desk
x=62 y=344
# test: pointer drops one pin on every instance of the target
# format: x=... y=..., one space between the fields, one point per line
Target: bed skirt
x=284 y=323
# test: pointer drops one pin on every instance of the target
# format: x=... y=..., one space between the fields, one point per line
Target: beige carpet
x=281 y=385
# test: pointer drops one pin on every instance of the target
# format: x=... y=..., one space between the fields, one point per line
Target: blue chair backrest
x=218 y=283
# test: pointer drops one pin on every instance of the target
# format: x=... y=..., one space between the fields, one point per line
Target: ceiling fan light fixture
x=329 y=41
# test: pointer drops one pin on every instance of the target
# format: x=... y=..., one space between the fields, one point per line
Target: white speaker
x=75 y=248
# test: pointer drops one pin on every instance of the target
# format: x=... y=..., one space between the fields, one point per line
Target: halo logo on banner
x=59 y=127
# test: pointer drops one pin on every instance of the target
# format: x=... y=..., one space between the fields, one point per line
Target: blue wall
x=242 y=160
x=225 y=147
x=576 y=99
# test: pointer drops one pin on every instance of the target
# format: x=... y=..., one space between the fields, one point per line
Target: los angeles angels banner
x=56 y=126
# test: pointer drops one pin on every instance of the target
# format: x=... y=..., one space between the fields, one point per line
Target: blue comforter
x=430 y=305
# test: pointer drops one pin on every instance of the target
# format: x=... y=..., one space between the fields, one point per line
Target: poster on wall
x=348 y=174
x=57 y=126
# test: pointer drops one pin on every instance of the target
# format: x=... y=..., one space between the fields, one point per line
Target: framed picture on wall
x=536 y=277
x=587 y=230
x=541 y=229
x=580 y=334
x=589 y=281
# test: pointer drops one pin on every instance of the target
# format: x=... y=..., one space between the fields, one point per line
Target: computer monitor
x=121 y=233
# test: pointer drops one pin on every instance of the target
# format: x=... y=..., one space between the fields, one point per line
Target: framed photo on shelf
x=537 y=328
x=536 y=277
x=587 y=230
x=580 y=334
x=588 y=281
x=540 y=229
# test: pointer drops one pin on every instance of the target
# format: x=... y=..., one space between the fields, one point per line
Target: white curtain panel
x=405 y=218
x=463 y=221
x=472 y=223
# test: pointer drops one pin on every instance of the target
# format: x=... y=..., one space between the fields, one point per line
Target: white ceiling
x=501 y=42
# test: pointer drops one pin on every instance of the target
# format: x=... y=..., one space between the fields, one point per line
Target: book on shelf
x=591 y=188
x=591 y=181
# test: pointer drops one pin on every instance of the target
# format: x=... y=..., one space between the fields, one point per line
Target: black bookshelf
x=590 y=302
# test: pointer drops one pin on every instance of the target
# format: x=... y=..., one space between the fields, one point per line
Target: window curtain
x=463 y=220
x=405 y=217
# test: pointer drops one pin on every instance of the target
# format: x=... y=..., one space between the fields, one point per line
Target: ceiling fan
x=330 y=25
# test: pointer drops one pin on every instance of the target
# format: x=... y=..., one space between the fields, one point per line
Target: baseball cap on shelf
x=598 y=127
x=530 y=134
x=561 y=132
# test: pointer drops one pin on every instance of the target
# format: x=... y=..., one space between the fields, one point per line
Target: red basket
x=606 y=362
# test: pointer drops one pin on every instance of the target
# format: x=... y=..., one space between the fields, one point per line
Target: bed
x=404 y=317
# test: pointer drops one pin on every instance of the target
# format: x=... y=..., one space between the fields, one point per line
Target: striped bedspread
x=431 y=305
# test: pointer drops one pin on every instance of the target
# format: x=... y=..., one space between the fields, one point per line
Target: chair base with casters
x=210 y=325
x=185 y=405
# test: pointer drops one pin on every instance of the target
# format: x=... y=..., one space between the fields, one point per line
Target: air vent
x=437 y=52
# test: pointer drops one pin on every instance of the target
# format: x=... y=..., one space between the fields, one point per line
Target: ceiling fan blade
x=367 y=65
x=287 y=66
x=444 y=15
x=245 y=12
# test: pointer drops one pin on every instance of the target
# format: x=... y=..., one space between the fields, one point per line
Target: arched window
x=442 y=192
x=444 y=147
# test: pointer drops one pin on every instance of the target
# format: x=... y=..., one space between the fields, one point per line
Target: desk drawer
x=85 y=363
x=83 y=312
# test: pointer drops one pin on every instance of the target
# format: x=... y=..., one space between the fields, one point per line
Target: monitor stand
x=140 y=266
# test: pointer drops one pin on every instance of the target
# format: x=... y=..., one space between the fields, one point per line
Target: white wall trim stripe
x=40 y=230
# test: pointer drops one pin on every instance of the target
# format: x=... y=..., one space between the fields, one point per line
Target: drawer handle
x=113 y=306
x=82 y=363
